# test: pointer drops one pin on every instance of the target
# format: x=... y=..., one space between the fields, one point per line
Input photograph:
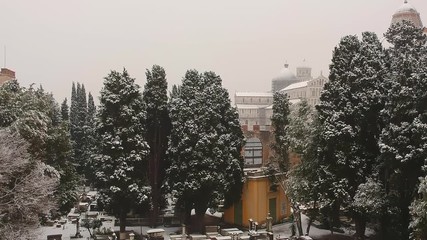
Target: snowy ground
x=69 y=230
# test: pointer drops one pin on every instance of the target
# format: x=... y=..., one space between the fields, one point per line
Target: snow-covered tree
x=279 y=165
x=121 y=165
x=349 y=114
x=280 y=123
x=158 y=128
x=418 y=210
x=300 y=126
x=78 y=117
x=303 y=184
x=35 y=115
x=89 y=140
x=27 y=188
x=65 y=111
x=403 y=141
x=206 y=166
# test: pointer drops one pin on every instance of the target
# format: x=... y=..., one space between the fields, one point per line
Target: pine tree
x=403 y=141
x=204 y=147
x=158 y=129
x=121 y=165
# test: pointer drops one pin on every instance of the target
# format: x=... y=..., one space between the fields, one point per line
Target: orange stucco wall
x=255 y=202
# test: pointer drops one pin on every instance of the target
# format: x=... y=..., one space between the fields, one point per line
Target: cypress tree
x=158 y=129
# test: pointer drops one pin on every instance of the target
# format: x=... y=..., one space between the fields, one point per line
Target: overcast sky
x=246 y=42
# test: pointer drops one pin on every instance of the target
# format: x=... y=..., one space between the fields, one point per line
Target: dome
x=407 y=12
x=285 y=75
x=284 y=79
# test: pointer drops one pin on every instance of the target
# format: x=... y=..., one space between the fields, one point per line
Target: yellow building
x=259 y=198
x=259 y=195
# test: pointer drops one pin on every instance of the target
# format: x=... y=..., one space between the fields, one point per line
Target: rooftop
x=295 y=86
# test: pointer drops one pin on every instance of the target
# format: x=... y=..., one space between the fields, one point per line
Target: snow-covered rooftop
x=406 y=7
x=295 y=86
x=254 y=94
x=285 y=75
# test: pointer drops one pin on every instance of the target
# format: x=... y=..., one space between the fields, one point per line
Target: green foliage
x=26 y=187
x=158 y=127
x=280 y=122
x=206 y=166
x=121 y=165
x=35 y=115
x=65 y=111
x=418 y=210
x=78 y=125
x=403 y=141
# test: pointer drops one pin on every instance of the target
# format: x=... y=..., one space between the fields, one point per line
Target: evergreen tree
x=280 y=122
x=78 y=117
x=280 y=164
x=204 y=147
x=90 y=140
x=35 y=115
x=349 y=111
x=158 y=128
x=418 y=210
x=121 y=165
x=73 y=112
x=175 y=91
x=403 y=141
x=302 y=183
x=26 y=188
x=300 y=126
x=64 y=110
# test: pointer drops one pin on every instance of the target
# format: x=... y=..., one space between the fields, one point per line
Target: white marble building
x=255 y=108
x=309 y=90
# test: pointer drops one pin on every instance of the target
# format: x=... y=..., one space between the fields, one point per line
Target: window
x=253 y=152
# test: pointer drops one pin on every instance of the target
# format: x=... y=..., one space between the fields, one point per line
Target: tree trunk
x=122 y=219
x=199 y=224
x=297 y=219
x=187 y=215
x=311 y=214
x=154 y=173
x=310 y=221
x=360 y=223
